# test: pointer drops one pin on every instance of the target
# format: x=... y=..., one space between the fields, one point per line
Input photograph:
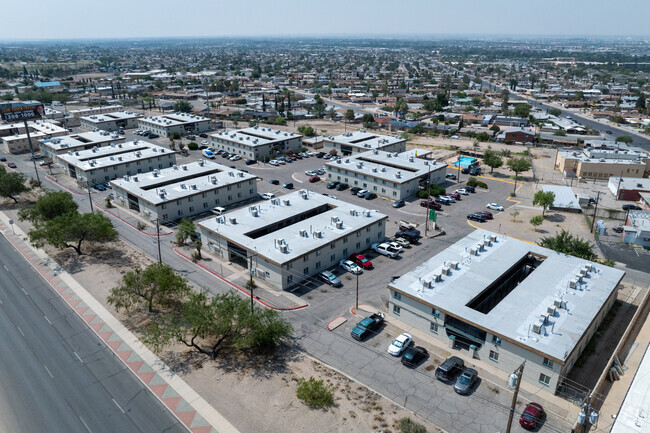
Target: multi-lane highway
x=56 y=375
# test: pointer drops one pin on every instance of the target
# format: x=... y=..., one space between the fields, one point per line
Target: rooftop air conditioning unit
x=232 y=220
x=374 y=169
x=543 y=319
x=254 y=212
x=487 y=242
x=493 y=238
x=437 y=277
x=480 y=247
x=551 y=311
x=339 y=224
x=445 y=270
x=275 y=201
x=398 y=175
x=318 y=234
x=135 y=178
x=287 y=202
x=213 y=179
x=303 y=233
x=557 y=303
x=284 y=248
x=353 y=212
x=185 y=167
x=194 y=187
x=473 y=251
x=426 y=284
x=537 y=328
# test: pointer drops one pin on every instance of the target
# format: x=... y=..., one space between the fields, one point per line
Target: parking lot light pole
x=31 y=151
x=458 y=162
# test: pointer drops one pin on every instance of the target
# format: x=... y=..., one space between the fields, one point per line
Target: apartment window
x=190 y=199
x=367 y=229
x=164 y=206
x=358 y=234
x=367 y=240
x=396 y=310
x=317 y=265
x=305 y=258
x=318 y=252
x=165 y=216
x=544 y=379
x=333 y=245
x=345 y=240
x=496 y=340
x=434 y=327
x=289 y=265
x=494 y=356
x=290 y=279
x=397 y=295
x=435 y=313
x=180 y=212
x=191 y=208
x=333 y=258
x=358 y=245
x=394 y=193
x=178 y=202
x=205 y=205
x=345 y=251
x=548 y=363
x=306 y=270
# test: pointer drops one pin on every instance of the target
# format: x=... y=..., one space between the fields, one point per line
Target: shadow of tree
x=555 y=218
x=93 y=254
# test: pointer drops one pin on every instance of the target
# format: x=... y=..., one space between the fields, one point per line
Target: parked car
x=394 y=246
x=399 y=203
x=412 y=235
x=267 y=195
x=466 y=381
x=630 y=207
x=449 y=369
x=404 y=243
x=608 y=132
x=450 y=176
x=320 y=154
x=11 y=165
x=274 y=162
x=108 y=185
x=342 y=186
x=3 y=159
x=462 y=191
x=532 y=416
x=274 y=182
x=618 y=229
x=443 y=199
x=454 y=195
x=367 y=326
x=361 y=260
x=311 y=173
x=413 y=356
x=250 y=162
x=333 y=184
x=314 y=179
x=235 y=158
x=495 y=206
x=350 y=266
x=205 y=142
x=469 y=188
x=203 y=135
x=476 y=217
x=486 y=214
x=218 y=210
x=449 y=198
x=362 y=193
x=207 y=153
x=355 y=190
x=153 y=135
x=287 y=185
x=466 y=170
x=400 y=344
x=430 y=205
x=100 y=187
x=370 y=196
x=330 y=279
x=476 y=171
x=385 y=249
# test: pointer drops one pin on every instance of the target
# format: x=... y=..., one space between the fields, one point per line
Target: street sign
x=20 y=111
x=432 y=215
x=11 y=221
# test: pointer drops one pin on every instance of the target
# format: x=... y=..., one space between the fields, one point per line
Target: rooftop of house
x=110 y=117
x=472 y=280
x=174 y=119
x=302 y=221
x=83 y=139
x=639 y=219
x=115 y=154
x=365 y=139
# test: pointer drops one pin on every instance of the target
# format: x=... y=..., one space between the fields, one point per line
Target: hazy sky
x=64 y=19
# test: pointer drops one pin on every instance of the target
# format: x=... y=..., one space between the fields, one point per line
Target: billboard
x=19 y=111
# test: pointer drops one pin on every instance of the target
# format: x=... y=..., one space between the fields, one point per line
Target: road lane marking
x=21 y=331
x=48 y=320
x=4 y=266
x=293 y=176
x=78 y=357
x=24 y=291
x=85 y=425
x=118 y=406
x=48 y=371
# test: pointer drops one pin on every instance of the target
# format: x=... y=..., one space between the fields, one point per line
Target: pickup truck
x=367 y=326
x=385 y=249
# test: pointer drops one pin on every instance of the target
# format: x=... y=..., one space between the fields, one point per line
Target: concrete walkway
x=182 y=401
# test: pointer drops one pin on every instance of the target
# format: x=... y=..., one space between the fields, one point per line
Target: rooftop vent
x=339 y=224
x=232 y=220
x=287 y=202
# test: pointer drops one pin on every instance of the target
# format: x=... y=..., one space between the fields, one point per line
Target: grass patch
x=407 y=425
x=314 y=393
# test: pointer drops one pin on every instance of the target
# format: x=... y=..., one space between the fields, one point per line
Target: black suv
x=449 y=369
x=476 y=171
x=355 y=190
x=411 y=235
x=341 y=186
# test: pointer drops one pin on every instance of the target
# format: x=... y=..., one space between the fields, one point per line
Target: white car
x=311 y=173
x=235 y=158
x=274 y=162
x=350 y=266
x=494 y=206
x=309 y=153
x=399 y=344
x=205 y=142
x=362 y=193
x=267 y=195
x=462 y=191
x=385 y=249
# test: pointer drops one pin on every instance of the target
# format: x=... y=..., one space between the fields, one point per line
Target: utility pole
x=251 y=283
x=618 y=188
x=519 y=372
x=158 y=236
x=593 y=220
x=459 y=168
x=426 y=214
x=356 y=307
x=31 y=151
x=89 y=198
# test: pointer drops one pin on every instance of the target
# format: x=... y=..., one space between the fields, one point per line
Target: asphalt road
x=57 y=375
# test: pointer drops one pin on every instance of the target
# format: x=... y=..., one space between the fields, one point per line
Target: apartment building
x=13 y=136
x=351 y=143
x=601 y=164
x=110 y=121
x=51 y=148
x=256 y=142
x=183 y=123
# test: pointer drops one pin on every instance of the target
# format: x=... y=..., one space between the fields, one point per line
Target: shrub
x=192 y=146
x=314 y=393
x=109 y=204
x=174 y=136
x=472 y=181
x=407 y=425
x=141 y=226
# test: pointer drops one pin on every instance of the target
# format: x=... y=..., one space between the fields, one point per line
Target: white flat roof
x=174 y=119
x=115 y=154
x=631 y=183
x=272 y=211
x=633 y=415
x=161 y=186
x=514 y=316
x=111 y=117
x=564 y=196
x=364 y=139
x=394 y=167
x=93 y=109
x=80 y=140
x=575 y=154
x=255 y=136
x=639 y=219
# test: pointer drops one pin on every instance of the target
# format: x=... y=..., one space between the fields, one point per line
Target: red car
x=314 y=179
x=361 y=260
x=486 y=214
x=11 y=165
x=531 y=416
x=430 y=205
x=454 y=195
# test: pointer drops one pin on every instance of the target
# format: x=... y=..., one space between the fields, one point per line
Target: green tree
x=492 y=160
x=157 y=285
x=537 y=221
x=483 y=136
x=48 y=206
x=307 y=130
x=368 y=119
x=185 y=230
x=495 y=128
x=315 y=393
x=555 y=112
x=641 y=103
x=349 y=115
x=279 y=120
x=566 y=243
x=518 y=165
x=182 y=107
x=401 y=108
x=319 y=106
x=72 y=229
x=505 y=98
x=523 y=110
x=624 y=139
x=543 y=199
x=11 y=184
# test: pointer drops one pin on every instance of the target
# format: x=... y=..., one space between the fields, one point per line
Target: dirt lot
x=238 y=385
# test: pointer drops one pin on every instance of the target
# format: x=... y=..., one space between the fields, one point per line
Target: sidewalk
x=182 y=401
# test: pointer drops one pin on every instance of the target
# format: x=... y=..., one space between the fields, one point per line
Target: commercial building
x=52 y=147
x=632 y=414
x=600 y=164
x=507 y=301
x=102 y=164
x=256 y=142
x=628 y=188
x=110 y=121
x=517 y=135
x=74 y=116
x=13 y=136
x=185 y=190
x=166 y=124
x=637 y=228
x=565 y=198
x=291 y=238
x=393 y=175
x=360 y=141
